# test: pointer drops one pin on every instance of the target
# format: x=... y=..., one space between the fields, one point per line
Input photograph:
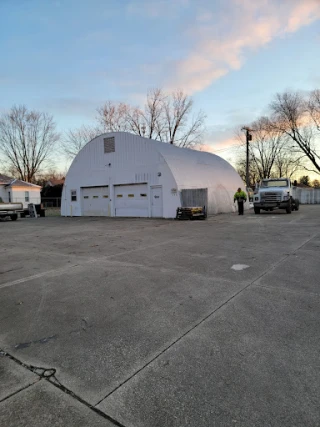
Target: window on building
x=26 y=196
x=73 y=195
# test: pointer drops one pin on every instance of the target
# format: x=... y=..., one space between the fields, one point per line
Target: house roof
x=12 y=182
x=4 y=179
x=19 y=183
x=54 y=182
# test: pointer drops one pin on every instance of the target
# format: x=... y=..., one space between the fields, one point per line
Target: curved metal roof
x=193 y=168
x=190 y=168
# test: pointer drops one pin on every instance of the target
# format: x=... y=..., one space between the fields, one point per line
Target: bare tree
x=27 y=139
x=47 y=175
x=264 y=149
x=270 y=154
x=114 y=117
x=75 y=140
x=149 y=121
x=291 y=115
x=165 y=117
x=240 y=167
x=314 y=108
x=266 y=146
x=178 y=128
x=288 y=162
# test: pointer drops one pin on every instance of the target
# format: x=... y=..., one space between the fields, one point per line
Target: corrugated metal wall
x=194 y=197
x=307 y=196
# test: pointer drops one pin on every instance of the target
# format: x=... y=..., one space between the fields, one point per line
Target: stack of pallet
x=191 y=213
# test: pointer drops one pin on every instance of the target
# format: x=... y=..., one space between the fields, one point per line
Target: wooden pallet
x=189 y=213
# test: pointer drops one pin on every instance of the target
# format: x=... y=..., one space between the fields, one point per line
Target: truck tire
x=14 y=217
x=297 y=203
x=289 y=208
x=257 y=211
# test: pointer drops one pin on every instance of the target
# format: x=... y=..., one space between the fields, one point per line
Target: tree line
x=305 y=180
x=28 y=139
x=283 y=143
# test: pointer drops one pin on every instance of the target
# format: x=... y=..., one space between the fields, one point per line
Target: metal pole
x=247 y=158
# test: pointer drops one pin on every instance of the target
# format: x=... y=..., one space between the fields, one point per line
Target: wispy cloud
x=223 y=41
x=222 y=146
x=71 y=106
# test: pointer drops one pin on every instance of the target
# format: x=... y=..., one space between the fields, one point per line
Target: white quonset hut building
x=121 y=174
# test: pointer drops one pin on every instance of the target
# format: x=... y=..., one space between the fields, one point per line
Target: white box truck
x=273 y=194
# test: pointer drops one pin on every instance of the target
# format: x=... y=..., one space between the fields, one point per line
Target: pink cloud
x=223 y=42
x=220 y=146
x=303 y=14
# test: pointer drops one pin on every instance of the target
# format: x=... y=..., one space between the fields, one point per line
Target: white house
x=120 y=174
x=15 y=190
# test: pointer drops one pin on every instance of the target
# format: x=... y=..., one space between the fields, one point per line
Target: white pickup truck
x=273 y=194
x=10 y=209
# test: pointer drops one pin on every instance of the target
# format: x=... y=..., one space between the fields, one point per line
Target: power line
x=228 y=148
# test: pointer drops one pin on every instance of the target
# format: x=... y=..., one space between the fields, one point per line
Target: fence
x=51 y=202
x=307 y=196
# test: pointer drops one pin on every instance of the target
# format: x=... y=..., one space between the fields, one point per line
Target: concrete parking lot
x=157 y=323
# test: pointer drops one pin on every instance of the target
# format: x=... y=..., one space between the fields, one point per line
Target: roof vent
x=109 y=145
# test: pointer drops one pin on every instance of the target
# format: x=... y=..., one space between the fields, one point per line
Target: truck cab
x=273 y=194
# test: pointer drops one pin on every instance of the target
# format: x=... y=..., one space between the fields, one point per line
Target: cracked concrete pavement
x=140 y=323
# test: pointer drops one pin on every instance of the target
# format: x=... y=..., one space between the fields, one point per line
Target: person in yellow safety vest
x=241 y=197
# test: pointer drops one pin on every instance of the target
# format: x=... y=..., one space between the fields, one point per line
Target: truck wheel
x=14 y=217
x=289 y=209
x=297 y=203
x=257 y=211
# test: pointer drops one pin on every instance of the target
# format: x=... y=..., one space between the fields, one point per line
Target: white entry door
x=156 y=202
x=131 y=200
x=95 y=201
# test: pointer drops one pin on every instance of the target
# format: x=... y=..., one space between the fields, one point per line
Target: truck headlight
x=285 y=197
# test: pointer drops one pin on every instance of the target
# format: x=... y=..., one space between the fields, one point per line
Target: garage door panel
x=95 y=201
x=131 y=200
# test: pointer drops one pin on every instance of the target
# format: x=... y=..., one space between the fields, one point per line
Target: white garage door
x=95 y=201
x=131 y=200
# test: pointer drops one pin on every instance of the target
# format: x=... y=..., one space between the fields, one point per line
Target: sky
x=67 y=57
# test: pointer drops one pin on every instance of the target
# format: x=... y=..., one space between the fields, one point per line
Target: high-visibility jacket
x=240 y=196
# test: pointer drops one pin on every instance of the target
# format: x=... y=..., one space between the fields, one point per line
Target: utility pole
x=248 y=139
